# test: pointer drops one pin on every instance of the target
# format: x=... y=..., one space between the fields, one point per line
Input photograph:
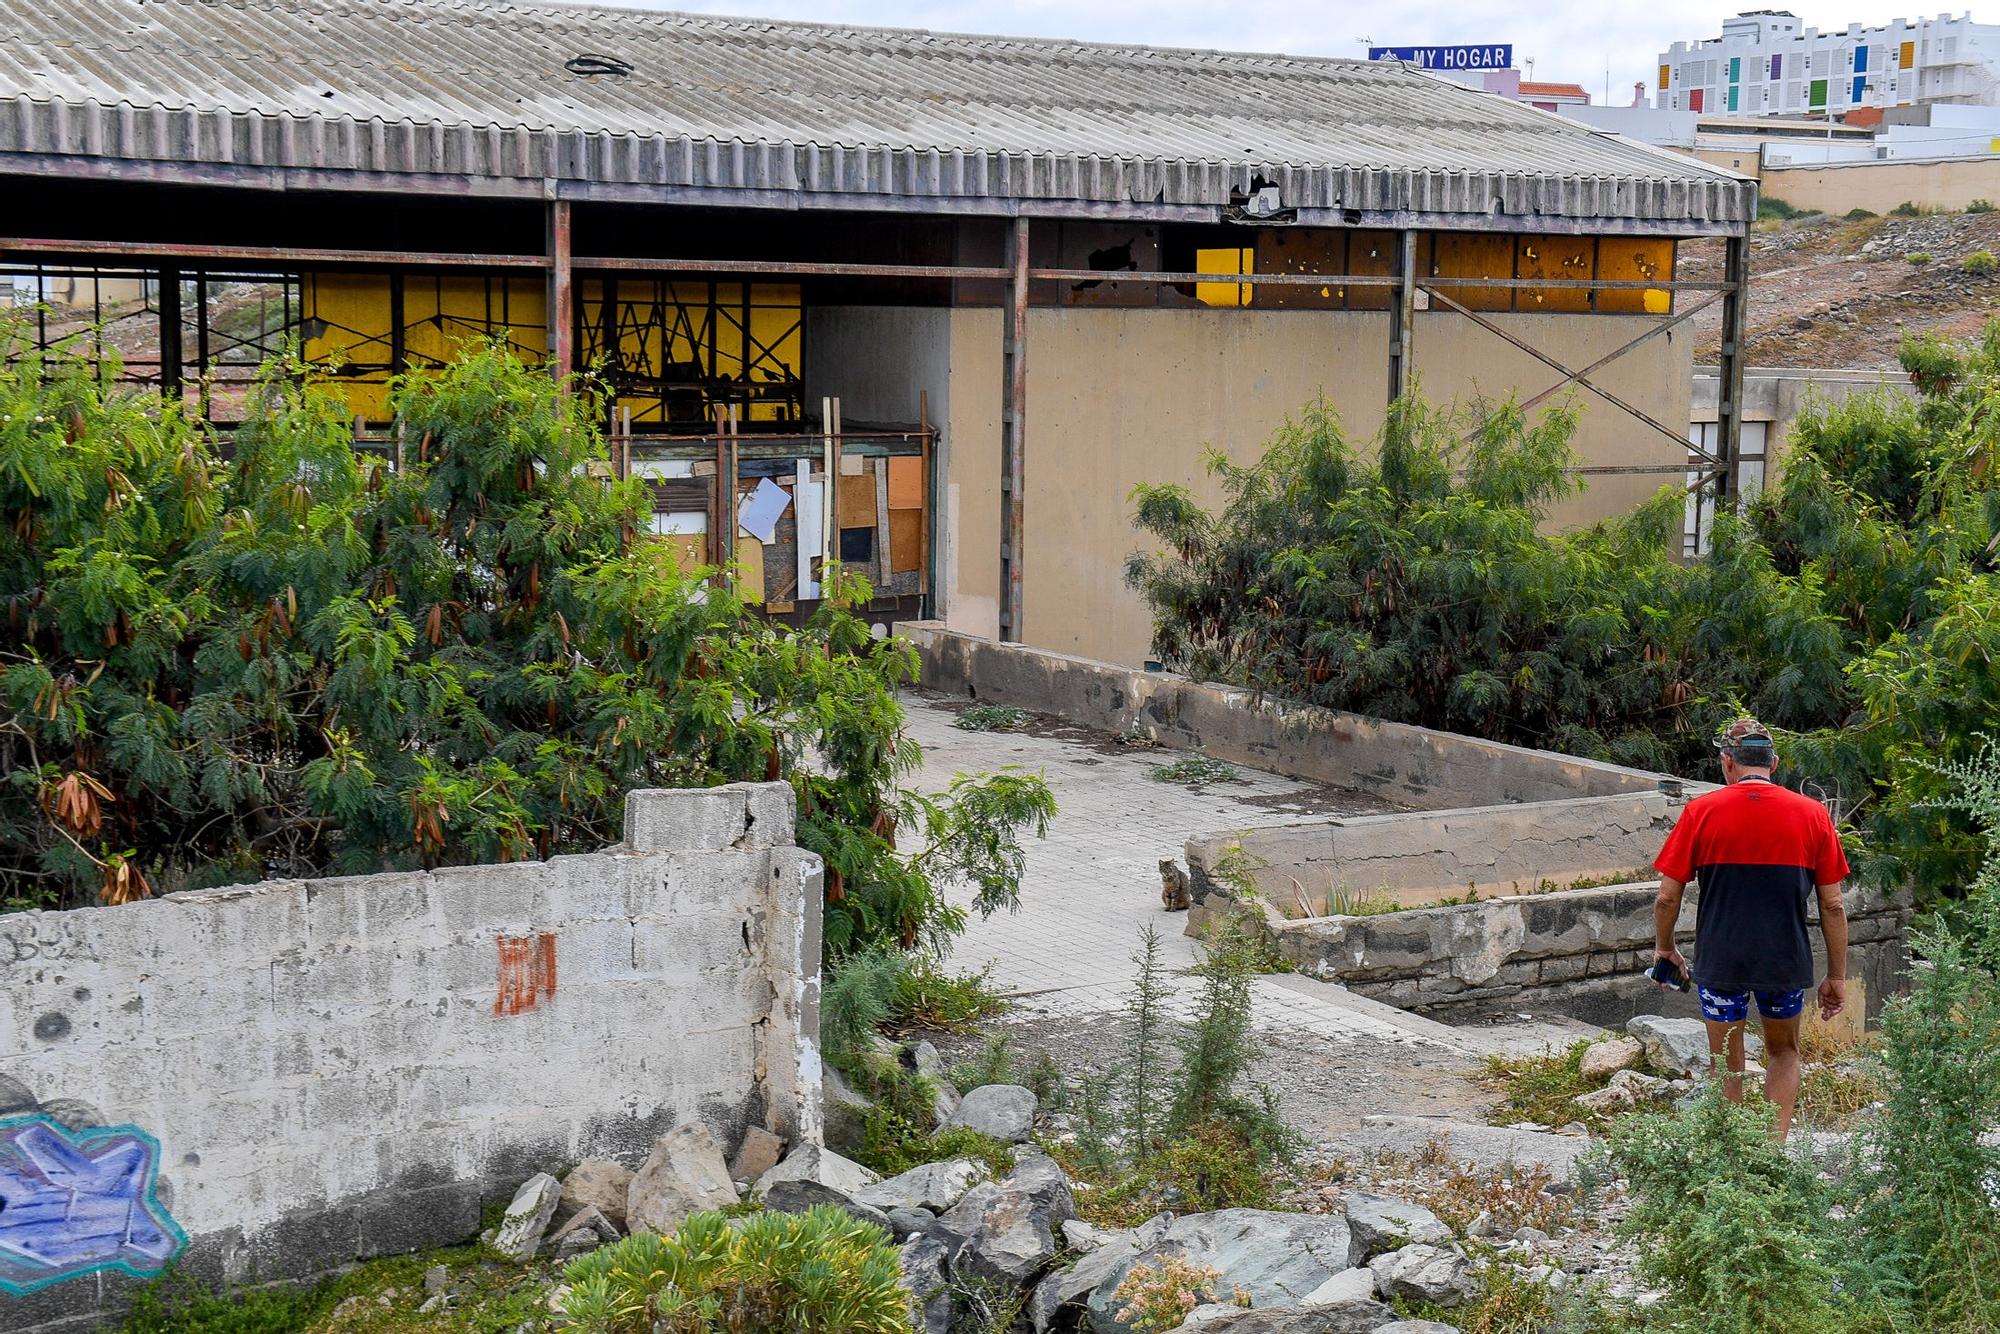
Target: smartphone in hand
x=1668 y=974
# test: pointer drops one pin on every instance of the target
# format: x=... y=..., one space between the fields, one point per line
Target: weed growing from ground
x=1980 y=263
x=990 y=718
x=1195 y=770
x=1919 y=258
x=1738 y=1230
x=1155 y=1298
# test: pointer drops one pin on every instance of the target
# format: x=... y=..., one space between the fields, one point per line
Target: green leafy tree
x=1853 y=606
x=294 y=660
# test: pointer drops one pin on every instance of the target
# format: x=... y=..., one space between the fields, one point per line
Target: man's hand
x=1832 y=997
x=1673 y=956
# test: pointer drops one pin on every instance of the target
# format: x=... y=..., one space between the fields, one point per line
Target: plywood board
x=750 y=557
x=1314 y=250
x=906 y=483
x=906 y=540
x=811 y=525
x=854 y=502
x=1473 y=255
x=1636 y=259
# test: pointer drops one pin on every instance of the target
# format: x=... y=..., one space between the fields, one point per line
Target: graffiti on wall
x=75 y=1202
x=527 y=972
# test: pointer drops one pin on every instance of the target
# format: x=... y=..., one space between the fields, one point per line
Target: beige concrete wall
x=1940 y=183
x=1118 y=397
x=1455 y=359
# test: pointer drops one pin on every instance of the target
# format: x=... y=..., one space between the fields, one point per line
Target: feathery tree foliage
x=1854 y=606
x=297 y=661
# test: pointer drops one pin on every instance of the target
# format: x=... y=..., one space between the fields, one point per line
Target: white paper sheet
x=761 y=509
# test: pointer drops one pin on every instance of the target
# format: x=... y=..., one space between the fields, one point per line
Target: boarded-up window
x=1233 y=259
x=1635 y=259
x=1568 y=258
x=1474 y=255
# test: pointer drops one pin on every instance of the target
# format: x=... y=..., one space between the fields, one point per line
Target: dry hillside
x=1833 y=293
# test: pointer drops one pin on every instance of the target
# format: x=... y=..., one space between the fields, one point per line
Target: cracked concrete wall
x=1413 y=766
x=1578 y=952
x=335 y=1069
x=1411 y=858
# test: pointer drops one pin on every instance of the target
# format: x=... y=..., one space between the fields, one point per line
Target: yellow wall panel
x=1635 y=259
x=1474 y=255
x=1570 y=258
x=1227 y=259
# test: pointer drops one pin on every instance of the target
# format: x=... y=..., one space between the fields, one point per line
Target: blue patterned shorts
x=1733 y=1007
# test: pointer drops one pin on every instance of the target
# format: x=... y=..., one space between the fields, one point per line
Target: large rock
x=584 y=1232
x=1277 y=1258
x=519 y=1235
x=1678 y=1046
x=933 y=1186
x=600 y=1184
x=1063 y=1296
x=796 y=1197
x=759 y=1152
x=1424 y=1274
x=924 y=1278
x=1010 y=1225
x=907 y=1223
x=683 y=1175
x=944 y=1094
x=1601 y=1060
x=1356 y=1317
x=810 y=1162
x=1384 y=1223
x=845 y=1112
x=1627 y=1089
x=1004 y=1111
x=1349 y=1285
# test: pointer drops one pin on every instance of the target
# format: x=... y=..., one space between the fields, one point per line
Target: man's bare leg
x=1727 y=1040
x=1781 y=1068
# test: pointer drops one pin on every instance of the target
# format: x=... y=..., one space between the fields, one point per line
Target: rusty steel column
x=562 y=292
x=1729 y=390
x=1013 y=424
x=172 y=372
x=1402 y=314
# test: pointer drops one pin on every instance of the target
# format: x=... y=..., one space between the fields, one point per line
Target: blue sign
x=73 y=1202
x=1496 y=56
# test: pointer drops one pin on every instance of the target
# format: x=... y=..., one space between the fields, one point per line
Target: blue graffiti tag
x=74 y=1202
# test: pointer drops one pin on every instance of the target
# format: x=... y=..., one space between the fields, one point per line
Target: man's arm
x=1667 y=915
x=1833 y=926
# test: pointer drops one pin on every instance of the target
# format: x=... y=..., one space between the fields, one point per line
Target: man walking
x=1758 y=850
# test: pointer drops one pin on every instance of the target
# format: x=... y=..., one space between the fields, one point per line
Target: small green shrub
x=1195 y=771
x=1539 y=1088
x=1345 y=902
x=993 y=1065
x=819 y=1272
x=1858 y=215
x=1152 y=1299
x=1980 y=206
x=1918 y=257
x=1738 y=1231
x=1980 y=263
x=929 y=997
x=1907 y=210
x=991 y=718
x=1777 y=210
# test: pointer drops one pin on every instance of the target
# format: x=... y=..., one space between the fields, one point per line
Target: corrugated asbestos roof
x=452 y=88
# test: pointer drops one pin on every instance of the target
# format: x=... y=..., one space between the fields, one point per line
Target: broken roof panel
x=789 y=113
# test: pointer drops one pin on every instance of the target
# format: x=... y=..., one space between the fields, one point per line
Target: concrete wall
x=1577 y=952
x=1412 y=765
x=1413 y=858
x=1777 y=396
x=1838 y=187
x=336 y=1069
x=1119 y=397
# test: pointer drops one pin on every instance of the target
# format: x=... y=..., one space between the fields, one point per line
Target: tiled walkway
x=1093 y=884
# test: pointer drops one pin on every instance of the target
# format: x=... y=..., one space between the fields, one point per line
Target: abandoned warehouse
x=926 y=304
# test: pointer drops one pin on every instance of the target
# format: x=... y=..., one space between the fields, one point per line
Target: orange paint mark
x=527 y=971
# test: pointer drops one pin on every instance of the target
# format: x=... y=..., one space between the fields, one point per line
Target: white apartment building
x=1766 y=63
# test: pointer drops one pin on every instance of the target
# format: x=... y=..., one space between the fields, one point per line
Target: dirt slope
x=1830 y=293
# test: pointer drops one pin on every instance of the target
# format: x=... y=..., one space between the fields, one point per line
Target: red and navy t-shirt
x=1757 y=850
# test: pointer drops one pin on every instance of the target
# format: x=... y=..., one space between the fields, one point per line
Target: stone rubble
x=1004 y=1111
x=684 y=1174
x=519 y=1235
x=598 y=1183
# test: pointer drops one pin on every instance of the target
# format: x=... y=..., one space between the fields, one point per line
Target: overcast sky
x=1571 y=41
